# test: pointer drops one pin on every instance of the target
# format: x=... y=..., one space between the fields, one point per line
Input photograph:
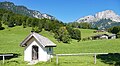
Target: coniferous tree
x=5 y=18
x=11 y=22
x=0 y=25
x=28 y=22
x=40 y=26
x=1 y=28
x=24 y=24
x=48 y=25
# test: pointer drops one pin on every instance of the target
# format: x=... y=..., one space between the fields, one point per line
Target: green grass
x=10 y=39
x=90 y=32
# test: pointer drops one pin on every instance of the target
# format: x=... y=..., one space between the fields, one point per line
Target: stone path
x=33 y=62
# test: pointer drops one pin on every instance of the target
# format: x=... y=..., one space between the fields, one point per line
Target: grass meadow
x=10 y=39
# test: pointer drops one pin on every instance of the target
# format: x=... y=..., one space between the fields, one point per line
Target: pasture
x=10 y=39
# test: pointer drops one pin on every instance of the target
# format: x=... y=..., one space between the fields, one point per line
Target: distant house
x=100 y=36
x=104 y=36
x=37 y=47
x=97 y=31
x=113 y=36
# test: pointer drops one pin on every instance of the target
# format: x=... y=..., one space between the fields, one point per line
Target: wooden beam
x=79 y=55
x=50 y=57
x=3 y=59
x=56 y=59
x=4 y=56
x=95 y=59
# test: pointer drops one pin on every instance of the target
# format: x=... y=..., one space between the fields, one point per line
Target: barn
x=37 y=47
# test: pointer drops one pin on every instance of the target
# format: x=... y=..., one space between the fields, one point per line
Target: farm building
x=100 y=36
x=104 y=36
x=37 y=47
x=113 y=36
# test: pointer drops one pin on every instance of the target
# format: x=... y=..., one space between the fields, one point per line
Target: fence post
x=3 y=59
x=56 y=59
x=95 y=58
x=50 y=58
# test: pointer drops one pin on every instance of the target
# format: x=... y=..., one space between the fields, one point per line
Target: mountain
x=102 y=20
x=24 y=10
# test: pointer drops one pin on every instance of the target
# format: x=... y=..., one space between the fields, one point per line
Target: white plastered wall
x=43 y=56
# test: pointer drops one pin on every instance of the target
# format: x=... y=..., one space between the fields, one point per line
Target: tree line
x=115 y=30
x=62 y=32
x=83 y=25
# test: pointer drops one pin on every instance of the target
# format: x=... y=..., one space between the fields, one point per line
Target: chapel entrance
x=34 y=52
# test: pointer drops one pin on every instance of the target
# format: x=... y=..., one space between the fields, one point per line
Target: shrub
x=62 y=35
x=114 y=29
x=74 y=33
x=2 y=28
x=118 y=35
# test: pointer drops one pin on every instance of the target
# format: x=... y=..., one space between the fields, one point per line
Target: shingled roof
x=45 y=42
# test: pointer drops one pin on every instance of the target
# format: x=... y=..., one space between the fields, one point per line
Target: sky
x=69 y=10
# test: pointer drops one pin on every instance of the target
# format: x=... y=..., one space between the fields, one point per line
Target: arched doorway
x=34 y=52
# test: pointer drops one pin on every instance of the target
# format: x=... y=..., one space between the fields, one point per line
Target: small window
x=49 y=49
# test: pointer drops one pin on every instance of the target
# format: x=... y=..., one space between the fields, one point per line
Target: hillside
x=24 y=10
x=10 y=39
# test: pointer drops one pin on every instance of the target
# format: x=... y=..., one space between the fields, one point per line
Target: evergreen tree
x=84 y=25
x=1 y=28
x=28 y=22
x=18 y=20
x=11 y=22
x=24 y=24
x=40 y=26
x=0 y=24
x=34 y=22
x=48 y=25
x=55 y=25
x=5 y=18
x=36 y=29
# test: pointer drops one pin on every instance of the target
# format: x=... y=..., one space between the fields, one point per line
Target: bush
x=118 y=35
x=114 y=29
x=74 y=33
x=36 y=29
x=24 y=24
x=62 y=35
x=66 y=37
x=2 y=28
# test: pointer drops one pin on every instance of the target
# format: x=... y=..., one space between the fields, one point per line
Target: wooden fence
x=94 y=54
x=5 y=55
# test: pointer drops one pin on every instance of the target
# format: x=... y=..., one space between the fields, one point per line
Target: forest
x=62 y=32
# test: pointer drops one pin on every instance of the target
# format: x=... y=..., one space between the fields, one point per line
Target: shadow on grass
x=10 y=57
x=111 y=58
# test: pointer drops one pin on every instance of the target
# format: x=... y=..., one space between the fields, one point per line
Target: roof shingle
x=45 y=42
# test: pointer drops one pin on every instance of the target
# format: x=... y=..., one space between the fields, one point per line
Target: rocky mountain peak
x=102 y=20
x=88 y=18
x=107 y=14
